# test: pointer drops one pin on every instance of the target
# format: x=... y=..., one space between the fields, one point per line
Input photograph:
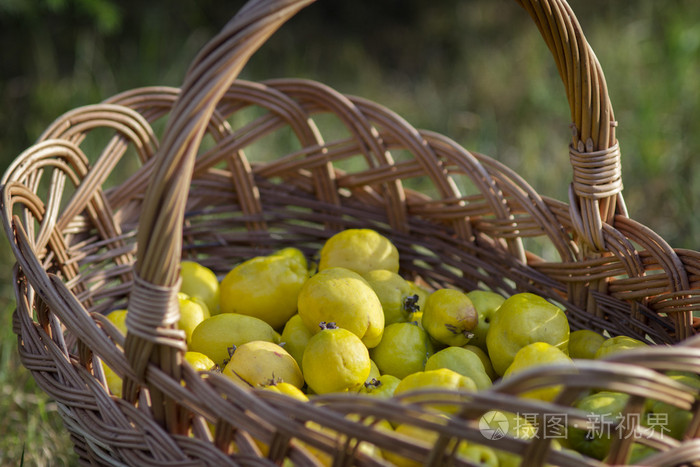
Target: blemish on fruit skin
x=452 y=328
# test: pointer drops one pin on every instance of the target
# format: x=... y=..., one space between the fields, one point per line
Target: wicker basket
x=195 y=195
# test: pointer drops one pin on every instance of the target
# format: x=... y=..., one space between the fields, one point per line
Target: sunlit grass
x=30 y=427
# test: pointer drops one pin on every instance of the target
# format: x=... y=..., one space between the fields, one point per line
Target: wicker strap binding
x=597 y=183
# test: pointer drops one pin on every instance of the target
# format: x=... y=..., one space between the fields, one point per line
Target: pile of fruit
x=352 y=323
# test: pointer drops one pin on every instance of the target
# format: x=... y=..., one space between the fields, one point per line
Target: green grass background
x=476 y=70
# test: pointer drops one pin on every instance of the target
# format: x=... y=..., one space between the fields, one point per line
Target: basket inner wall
x=269 y=177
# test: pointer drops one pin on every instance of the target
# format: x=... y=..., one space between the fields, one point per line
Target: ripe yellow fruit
x=442 y=378
x=381 y=386
x=192 y=312
x=392 y=291
x=403 y=350
x=360 y=250
x=261 y=363
x=114 y=382
x=474 y=453
x=522 y=319
x=265 y=287
x=343 y=297
x=199 y=361
x=418 y=434
x=416 y=317
x=295 y=336
x=601 y=406
x=484 y=357
x=449 y=317
x=617 y=344
x=373 y=370
x=463 y=362
x=118 y=319
x=374 y=374
x=217 y=334
x=335 y=360
x=341 y=440
x=486 y=303
x=479 y=454
x=201 y=282
x=282 y=387
x=498 y=422
x=538 y=354
x=584 y=343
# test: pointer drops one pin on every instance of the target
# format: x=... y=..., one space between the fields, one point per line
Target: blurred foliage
x=475 y=70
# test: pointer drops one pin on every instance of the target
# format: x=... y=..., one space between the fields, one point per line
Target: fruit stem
x=454 y=330
x=274 y=381
x=374 y=382
x=410 y=303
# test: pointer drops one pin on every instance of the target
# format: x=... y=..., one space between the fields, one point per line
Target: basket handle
x=153 y=310
x=595 y=194
x=153 y=306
